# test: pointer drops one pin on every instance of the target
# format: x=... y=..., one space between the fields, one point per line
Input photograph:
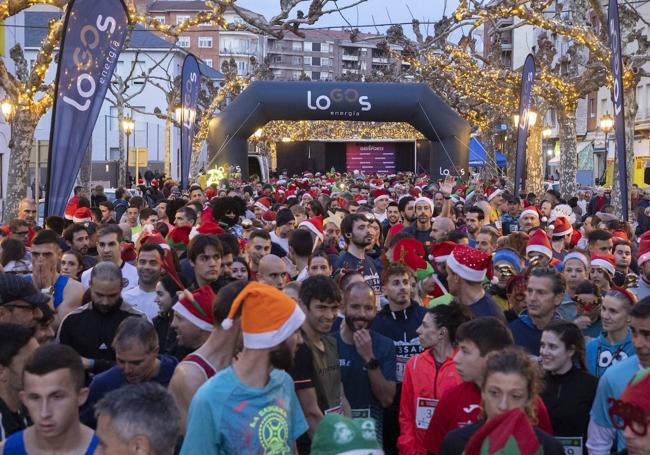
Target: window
x=324 y=47
x=296 y=45
x=208 y=62
x=114 y=154
x=307 y=60
x=315 y=61
x=315 y=75
x=205 y=42
x=324 y=61
x=184 y=41
x=180 y=19
x=315 y=47
x=160 y=19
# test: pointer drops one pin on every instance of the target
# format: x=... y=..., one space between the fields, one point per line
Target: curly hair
x=223 y=205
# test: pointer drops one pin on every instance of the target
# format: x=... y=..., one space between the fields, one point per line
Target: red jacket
x=423 y=386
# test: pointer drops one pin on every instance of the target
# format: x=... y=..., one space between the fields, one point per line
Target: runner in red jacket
x=429 y=375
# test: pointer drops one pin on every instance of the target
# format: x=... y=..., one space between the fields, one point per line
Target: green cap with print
x=340 y=435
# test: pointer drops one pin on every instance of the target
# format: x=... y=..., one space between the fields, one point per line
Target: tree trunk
x=568 y=153
x=194 y=160
x=22 y=139
x=122 y=163
x=168 y=145
x=86 y=169
x=630 y=110
x=534 y=161
x=490 y=166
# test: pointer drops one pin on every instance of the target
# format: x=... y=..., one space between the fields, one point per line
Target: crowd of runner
x=326 y=314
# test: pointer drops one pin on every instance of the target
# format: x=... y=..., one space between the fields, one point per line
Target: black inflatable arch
x=264 y=101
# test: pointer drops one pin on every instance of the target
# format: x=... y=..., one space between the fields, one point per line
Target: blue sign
x=525 y=103
x=190 y=83
x=617 y=100
x=93 y=36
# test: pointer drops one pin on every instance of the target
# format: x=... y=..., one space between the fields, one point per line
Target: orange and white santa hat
x=268 y=316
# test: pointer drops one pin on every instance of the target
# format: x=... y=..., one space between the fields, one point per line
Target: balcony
x=237 y=51
x=286 y=63
x=379 y=60
x=277 y=49
x=350 y=57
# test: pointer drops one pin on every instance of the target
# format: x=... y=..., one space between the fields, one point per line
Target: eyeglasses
x=20 y=232
x=625 y=414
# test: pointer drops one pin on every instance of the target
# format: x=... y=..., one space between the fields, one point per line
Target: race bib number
x=425 y=407
x=572 y=446
x=335 y=410
x=361 y=413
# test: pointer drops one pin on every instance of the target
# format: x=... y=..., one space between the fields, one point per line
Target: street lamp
x=532 y=118
x=8 y=110
x=129 y=125
x=546 y=132
x=606 y=124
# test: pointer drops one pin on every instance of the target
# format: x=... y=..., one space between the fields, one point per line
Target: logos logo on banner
x=189 y=114
x=616 y=65
x=353 y=102
x=82 y=56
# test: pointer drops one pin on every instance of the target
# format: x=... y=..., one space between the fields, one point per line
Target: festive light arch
x=264 y=101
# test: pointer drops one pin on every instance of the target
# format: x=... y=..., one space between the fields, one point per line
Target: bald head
x=27 y=211
x=272 y=271
x=441 y=227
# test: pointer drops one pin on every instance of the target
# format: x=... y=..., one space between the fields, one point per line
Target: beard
x=282 y=358
x=350 y=323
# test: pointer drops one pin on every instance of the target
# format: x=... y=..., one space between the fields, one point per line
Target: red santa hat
x=153 y=237
x=441 y=250
x=263 y=203
x=210 y=227
x=405 y=246
x=491 y=192
x=71 y=207
x=562 y=227
x=315 y=225
x=604 y=261
x=644 y=251
x=179 y=237
x=82 y=215
x=269 y=216
x=196 y=307
x=538 y=242
x=379 y=195
x=360 y=199
x=469 y=263
x=127 y=252
x=531 y=210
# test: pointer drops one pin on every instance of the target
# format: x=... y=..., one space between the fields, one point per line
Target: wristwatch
x=373 y=364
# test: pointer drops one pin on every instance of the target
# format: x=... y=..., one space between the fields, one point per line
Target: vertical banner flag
x=525 y=101
x=93 y=36
x=190 y=81
x=617 y=100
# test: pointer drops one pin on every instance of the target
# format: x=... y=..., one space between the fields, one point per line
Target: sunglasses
x=625 y=414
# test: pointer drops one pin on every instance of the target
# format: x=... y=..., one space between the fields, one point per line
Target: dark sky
x=383 y=11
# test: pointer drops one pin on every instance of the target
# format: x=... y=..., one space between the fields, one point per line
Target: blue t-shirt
x=370 y=273
x=611 y=385
x=15 y=445
x=601 y=354
x=113 y=379
x=485 y=306
x=227 y=416
x=354 y=375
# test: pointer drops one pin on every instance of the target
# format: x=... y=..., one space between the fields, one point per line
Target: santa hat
x=360 y=199
x=604 y=261
x=153 y=237
x=510 y=432
x=644 y=252
x=179 y=237
x=424 y=199
x=127 y=252
x=196 y=307
x=563 y=210
x=71 y=207
x=492 y=192
x=562 y=227
x=269 y=216
x=538 y=242
x=379 y=195
x=210 y=227
x=315 y=225
x=440 y=251
x=404 y=247
x=82 y=215
x=529 y=211
x=395 y=229
x=578 y=256
x=263 y=203
x=470 y=264
x=268 y=316
x=620 y=234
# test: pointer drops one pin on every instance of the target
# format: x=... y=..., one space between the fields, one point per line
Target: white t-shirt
x=129 y=277
x=142 y=301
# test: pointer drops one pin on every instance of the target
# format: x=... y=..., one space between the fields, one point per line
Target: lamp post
x=8 y=110
x=129 y=125
x=606 y=124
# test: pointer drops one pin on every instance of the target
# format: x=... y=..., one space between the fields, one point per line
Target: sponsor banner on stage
x=93 y=37
x=370 y=158
x=190 y=81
